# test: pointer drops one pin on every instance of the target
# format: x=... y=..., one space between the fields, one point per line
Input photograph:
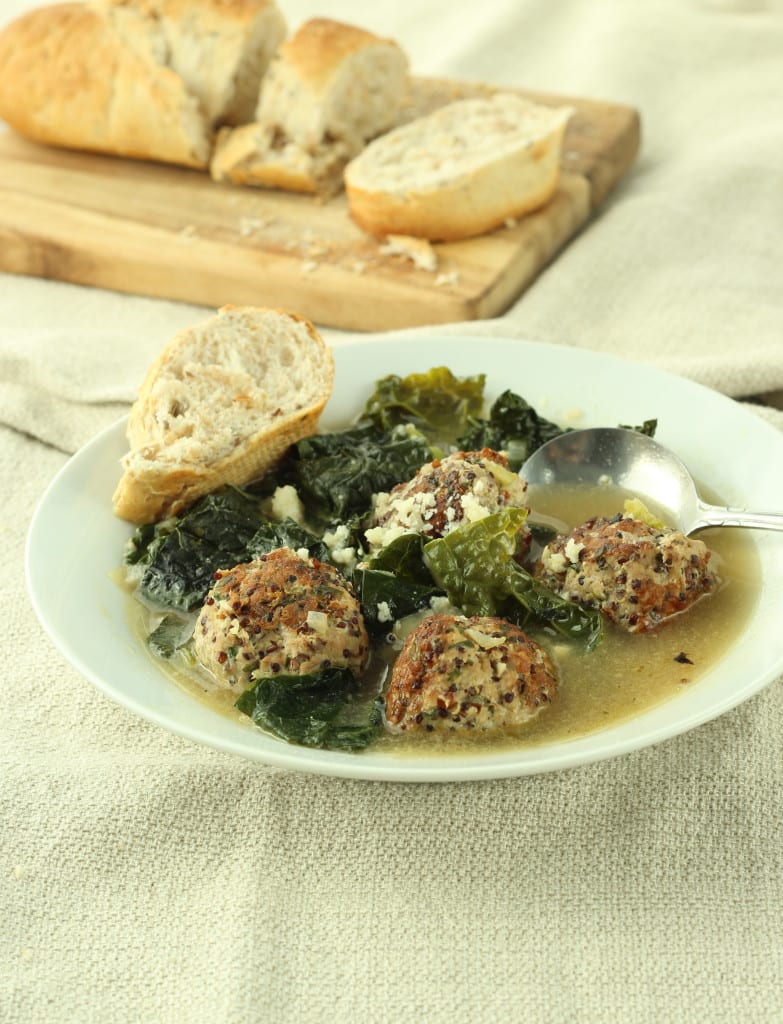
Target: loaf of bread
x=220 y=405
x=141 y=78
x=461 y=171
x=330 y=88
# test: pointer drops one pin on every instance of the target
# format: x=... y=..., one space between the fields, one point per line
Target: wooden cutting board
x=150 y=229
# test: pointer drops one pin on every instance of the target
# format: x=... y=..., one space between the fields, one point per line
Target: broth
x=623 y=677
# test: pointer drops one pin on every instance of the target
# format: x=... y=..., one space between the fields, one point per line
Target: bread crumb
x=188 y=232
x=418 y=250
x=359 y=266
x=446 y=280
x=249 y=225
x=511 y=222
x=309 y=266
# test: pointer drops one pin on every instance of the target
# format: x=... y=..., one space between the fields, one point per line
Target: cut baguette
x=331 y=87
x=141 y=78
x=461 y=171
x=259 y=155
x=220 y=405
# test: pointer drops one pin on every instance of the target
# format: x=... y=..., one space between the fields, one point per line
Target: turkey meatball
x=636 y=574
x=280 y=614
x=462 y=487
x=459 y=673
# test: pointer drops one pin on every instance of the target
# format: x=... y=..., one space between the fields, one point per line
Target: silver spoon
x=640 y=465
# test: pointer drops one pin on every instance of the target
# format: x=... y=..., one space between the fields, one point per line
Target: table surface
x=146 y=878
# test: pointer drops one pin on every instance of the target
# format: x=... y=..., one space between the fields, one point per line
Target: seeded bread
x=141 y=78
x=220 y=405
x=330 y=88
x=461 y=171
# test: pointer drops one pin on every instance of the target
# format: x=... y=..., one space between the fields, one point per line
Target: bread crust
x=247 y=156
x=123 y=76
x=63 y=71
x=469 y=199
x=316 y=51
x=155 y=485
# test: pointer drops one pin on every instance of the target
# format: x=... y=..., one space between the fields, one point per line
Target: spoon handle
x=713 y=515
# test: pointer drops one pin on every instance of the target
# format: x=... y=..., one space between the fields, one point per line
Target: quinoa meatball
x=280 y=614
x=636 y=574
x=456 y=673
x=462 y=487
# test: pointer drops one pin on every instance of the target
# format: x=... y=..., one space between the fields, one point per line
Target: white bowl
x=75 y=542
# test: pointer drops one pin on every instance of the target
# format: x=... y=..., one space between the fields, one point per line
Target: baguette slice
x=459 y=172
x=220 y=405
x=331 y=87
x=142 y=78
x=260 y=155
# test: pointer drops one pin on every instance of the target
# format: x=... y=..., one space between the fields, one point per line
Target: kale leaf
x=513 y=426
x=476 y=566
x=336 y=475
x=171 y=633
x=436 y=402
x=318 y=710
x=180 y=555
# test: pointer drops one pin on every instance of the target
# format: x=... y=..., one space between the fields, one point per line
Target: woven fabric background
x=146 y=879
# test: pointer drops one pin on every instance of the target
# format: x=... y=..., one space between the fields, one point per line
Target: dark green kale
x=648 y=427
x=476 y=565
x=319 y=710
x=337 y=474
x=393 y=583
x=436 y=402
x=272 y=534
x=181 y=555
x=513 y=426
x=404 y=557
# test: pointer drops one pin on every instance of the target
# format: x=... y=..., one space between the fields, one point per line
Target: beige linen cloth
x=146 y=879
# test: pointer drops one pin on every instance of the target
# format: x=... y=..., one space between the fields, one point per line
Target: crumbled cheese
x=573 y=549
x=472 y=508
x=555 y=561
x=408 y=514
x=384 y=612
x=286 y=504
x=340 y=552
x=303 y=553
x=380 y=536
x=441 y=605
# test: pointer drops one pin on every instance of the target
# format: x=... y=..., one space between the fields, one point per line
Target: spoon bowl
x=641 y=466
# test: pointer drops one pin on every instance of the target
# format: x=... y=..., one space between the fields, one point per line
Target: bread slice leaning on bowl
x=461 y=171
x=220 y=405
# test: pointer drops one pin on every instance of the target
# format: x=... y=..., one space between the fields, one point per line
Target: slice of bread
x=461 y=171
x=259 y=155
x=141 y=78
x=331 y=87
x=220 y=405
